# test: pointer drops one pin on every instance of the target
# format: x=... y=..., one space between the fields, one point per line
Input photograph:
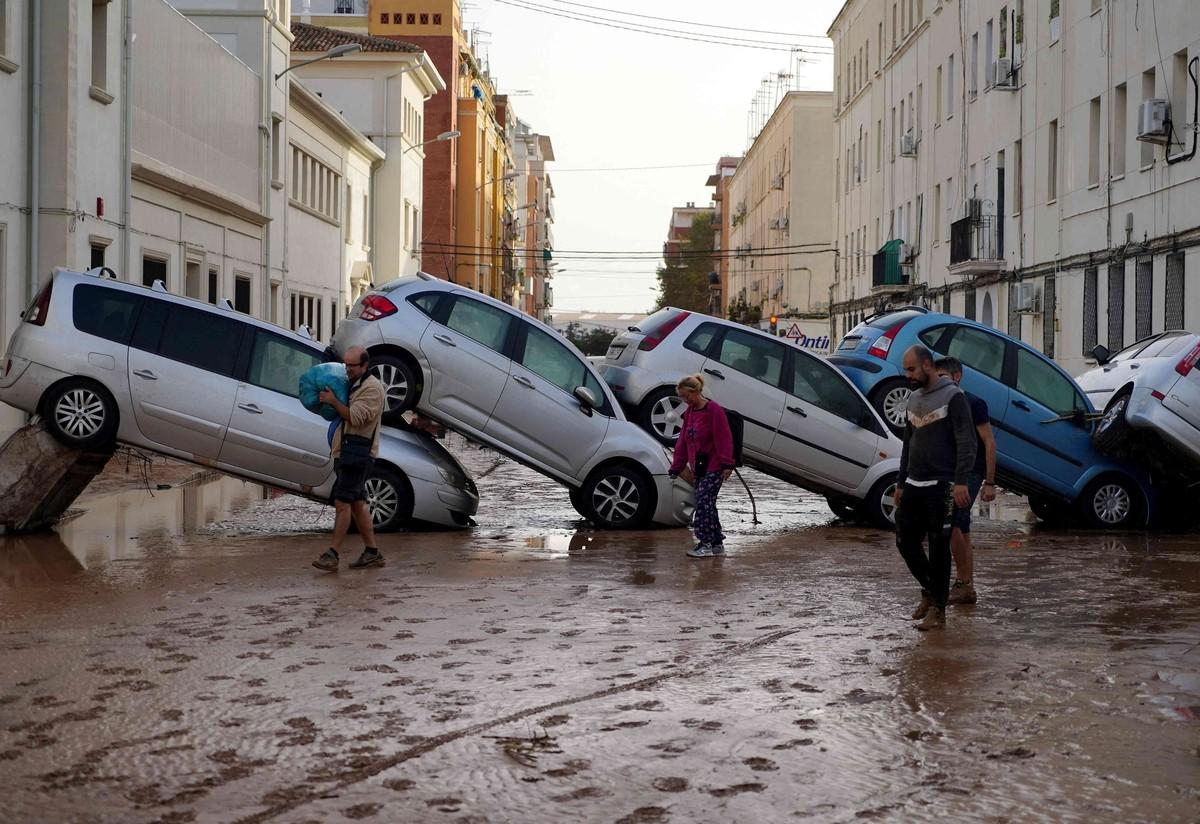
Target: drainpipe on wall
x=35 y=151
x=264 y=183
x=127 y=143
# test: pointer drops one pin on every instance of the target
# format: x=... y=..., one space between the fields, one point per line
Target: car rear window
x=106 y=313
x=892 y=318
x=658 y=320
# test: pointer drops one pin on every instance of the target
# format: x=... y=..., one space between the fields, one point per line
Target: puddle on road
x=119 y=526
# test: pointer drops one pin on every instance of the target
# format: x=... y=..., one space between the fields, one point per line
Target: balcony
x=887 y=275
x=976 y=246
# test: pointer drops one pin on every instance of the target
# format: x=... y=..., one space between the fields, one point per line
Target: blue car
x=1042 y=420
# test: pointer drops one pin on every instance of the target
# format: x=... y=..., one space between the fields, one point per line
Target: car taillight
x=660 y=334
x=883 y=343
x=375 y=307
x=1188 y=361
x=41 y=307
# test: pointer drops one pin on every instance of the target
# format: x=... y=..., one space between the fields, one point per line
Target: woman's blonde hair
x=693 y=382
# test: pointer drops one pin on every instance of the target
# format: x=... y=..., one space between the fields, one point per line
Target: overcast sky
x=612 y=99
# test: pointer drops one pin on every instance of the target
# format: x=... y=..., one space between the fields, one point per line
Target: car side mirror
x=587 y=399
x=1101 y=354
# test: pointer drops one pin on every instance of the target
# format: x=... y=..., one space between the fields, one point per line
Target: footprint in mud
x=803 y=687
x=793 y=743
x=171 y=715
x=495 y=630
x=670 y=784
x=648 y=706
x=737 y=789
x=400 y=785
x=645 y=815
x=674 y=746
x=580 y=794
x=448 y=804
x=362 y=810
x=555 y=720
x=707 y=726
x=760 y=764
x=623 y=725
x=805 y=723
x=572 y=767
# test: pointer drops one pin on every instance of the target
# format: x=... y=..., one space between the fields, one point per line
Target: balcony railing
x=885 y=266
x=974 y=238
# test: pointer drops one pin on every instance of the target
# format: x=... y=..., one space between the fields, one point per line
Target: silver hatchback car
x=804 y=421
x=506 y=380
x=102 y=361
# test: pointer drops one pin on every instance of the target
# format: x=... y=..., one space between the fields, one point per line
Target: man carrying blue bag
x=354 y=447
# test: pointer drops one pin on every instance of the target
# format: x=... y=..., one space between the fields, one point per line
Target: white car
x=805 y=422
x=1151 y=388
x=505 y=379
x=102 y=361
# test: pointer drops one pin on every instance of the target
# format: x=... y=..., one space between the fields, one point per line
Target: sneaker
x=717 y=549
x=369 y=557
x=922 y=607
x=328 y=561
x=935 y=618
x=700 y=551
x=963 y=592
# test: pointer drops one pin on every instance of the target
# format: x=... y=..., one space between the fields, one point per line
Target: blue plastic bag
x=332 y=375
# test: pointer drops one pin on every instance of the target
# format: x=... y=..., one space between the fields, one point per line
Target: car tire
x=1111 y=502
x=841 y=508
x=616 y=497
x=890 y=399
x=1050 y=511
x=400 y=385
x=81 y=414
x=389 y=497
x=661 y=414
x=879 y=507
x=1112 y=430
x=577 y=501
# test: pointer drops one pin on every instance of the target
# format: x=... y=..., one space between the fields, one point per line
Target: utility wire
x=687 y=22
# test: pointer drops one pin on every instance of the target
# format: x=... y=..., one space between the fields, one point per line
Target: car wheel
x=661 y=414
x=399 y=383
x=1053 y=512
x=390 y=499
x=842 y=508
x=879 y=507
x=890 y=399
x=1111 y=502
x=577 y=501
x=616 y=497
x=80 y=413
x=1112 y=429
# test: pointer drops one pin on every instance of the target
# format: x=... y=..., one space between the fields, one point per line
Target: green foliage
x=589 y=341
x=686 y=285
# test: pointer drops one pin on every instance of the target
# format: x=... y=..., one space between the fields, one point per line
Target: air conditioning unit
x=1003 y=74
x=1153 y=115
x=1029 y=298
x=974 y=208
x=908 y=144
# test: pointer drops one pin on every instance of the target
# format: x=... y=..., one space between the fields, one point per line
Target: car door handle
x=145 y=373
x=1021 y=405
x=524 y=381
x=798 y=411
x=715 y=373
x=446 y=339
x=249 y=407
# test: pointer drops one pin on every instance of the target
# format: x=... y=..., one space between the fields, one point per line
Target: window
x=426 y=302
x=153 y=269
x=1143 y=298
x=1019 y=23
x=437 y=20
x=276 y=150
x=424 y=19
x=100 y=45
x=480 y=322
x=752 y=355
x=1179 y=91
x=1094 y=142
x=1090 y=310
x=411 y=19
x=214 y=278
x=878 y=144
x=1173 y=304
x=4 y=28
x=1052 y=162
x=977 y=349
x=974 y=89
x=1042 y=383
x=306 y=311
x=241 y=293
x=550 y=359
x=950 y=87
x=105 y=313
x=1147 y=93
x=818 y=384
x=1018 y=178
x=938 y=91
x=1118 y=131
x=96 y=256
x=277 y=363
x=987 y=55
x=383 y=18
x=1116 y=306
x=937 y=209
x=1048 y=306
x=315 y=187
x=366 y=221
x=201 y=339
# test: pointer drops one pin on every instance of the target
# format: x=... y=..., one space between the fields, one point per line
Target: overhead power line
x=687 y=22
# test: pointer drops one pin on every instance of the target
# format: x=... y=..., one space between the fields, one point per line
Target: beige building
x=532 y=220
x=781 y=233
x=1017 y=168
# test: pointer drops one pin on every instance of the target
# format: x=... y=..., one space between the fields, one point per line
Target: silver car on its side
x=1151 y=388
x=102 y=361
x=504 y=379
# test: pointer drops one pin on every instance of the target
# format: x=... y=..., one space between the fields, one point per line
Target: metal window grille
x=1048 y=316
x=1173 y=310
x=1116 y=306
x=1014 y=316
x=1143 y=299
x=1090 y=333
x=969 y=309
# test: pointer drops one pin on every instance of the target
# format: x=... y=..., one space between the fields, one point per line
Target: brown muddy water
x=190 y=666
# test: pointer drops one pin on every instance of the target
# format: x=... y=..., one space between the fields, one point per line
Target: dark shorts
x=962 y=517
x=350 y=484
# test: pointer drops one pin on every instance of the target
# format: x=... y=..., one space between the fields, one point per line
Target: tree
x=685 y=284
x=593 y=341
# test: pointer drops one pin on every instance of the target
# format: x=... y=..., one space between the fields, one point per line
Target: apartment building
x=1026 y=164
x=532 y=220
x=781 y=227
x=720 y=180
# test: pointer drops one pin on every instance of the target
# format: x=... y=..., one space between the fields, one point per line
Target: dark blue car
x=1042 y=420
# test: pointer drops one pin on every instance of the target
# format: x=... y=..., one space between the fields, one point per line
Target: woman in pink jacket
x=703 y=458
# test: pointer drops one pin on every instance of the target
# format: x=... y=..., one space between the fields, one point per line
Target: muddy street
x=171 y=656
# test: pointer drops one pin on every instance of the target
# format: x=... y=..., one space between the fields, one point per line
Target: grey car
x=102 y=361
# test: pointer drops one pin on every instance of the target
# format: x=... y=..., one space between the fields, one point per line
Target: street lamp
x=336 y=51
x=443 y=136
x=508 y=176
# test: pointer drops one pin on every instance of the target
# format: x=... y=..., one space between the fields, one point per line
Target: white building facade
x=989 y=164
x=532 y=221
